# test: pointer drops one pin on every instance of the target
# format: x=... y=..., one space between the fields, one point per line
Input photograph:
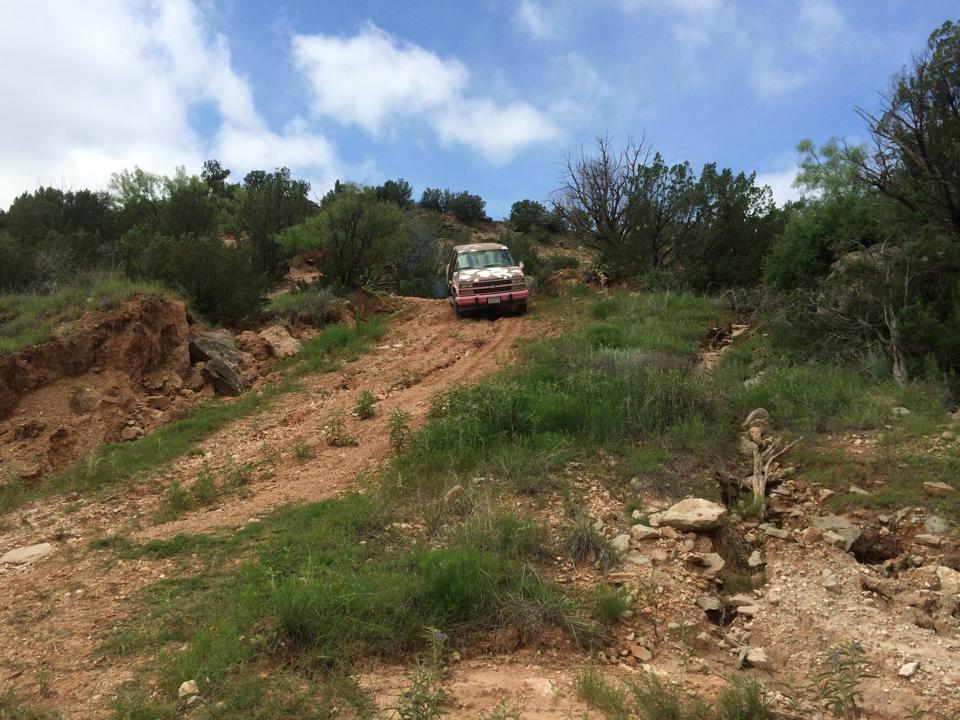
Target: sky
x=478 y=95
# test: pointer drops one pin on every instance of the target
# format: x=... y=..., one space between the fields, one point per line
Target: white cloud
x=821 y=22
x=770 y=79
x=534 y=20
x=108 y=85
x=374 y=80
x=781 y=183
x=371 y=77
x=692 y=22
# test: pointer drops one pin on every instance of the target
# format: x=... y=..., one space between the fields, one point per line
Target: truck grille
x=484 y=287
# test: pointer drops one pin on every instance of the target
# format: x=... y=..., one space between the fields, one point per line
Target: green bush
x=396 y=191
x=609 y=603
x=312 y=305
x=465 y=207
x=526 y=214
x=357 y=234
x=459 y=583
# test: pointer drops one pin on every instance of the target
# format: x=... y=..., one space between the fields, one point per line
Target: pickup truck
x=483 y=275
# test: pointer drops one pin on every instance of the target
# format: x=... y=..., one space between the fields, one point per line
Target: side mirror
x=521 y=266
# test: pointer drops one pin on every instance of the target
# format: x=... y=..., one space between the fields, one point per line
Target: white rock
x=188 y=688
x=29 y=553
x=621 y=543
x=694 y=514
x=643 y=532
x=908 y=669
x=755 y=560
x=542 y=686
x=949 y=580
x=757 y=657
x=280 y=341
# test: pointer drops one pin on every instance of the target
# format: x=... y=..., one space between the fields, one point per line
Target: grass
x=609 y=603
x=312 y=305
x=648 y=697
x=315 y=591
x=624 y=382
x=364 y=409
x=127 y=461
x=584 y=543
x=29 y=318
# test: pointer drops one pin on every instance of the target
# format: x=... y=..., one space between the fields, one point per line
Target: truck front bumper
x=505 y=298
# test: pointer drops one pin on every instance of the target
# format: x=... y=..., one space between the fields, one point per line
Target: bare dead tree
x=594 y=193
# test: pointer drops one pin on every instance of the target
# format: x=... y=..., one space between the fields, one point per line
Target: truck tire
x=522 y=308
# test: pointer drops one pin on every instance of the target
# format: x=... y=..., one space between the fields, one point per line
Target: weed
x=659 y=699
x=176 y=501
x=337 y=435
x=364 y=409
x=399 y=428
x=270 y=455
x=584 y=543
x=301 y=450
x=13 y=709
x=743 y=700
x=503 y=710
x=751 y=506
x=609 y=602
x=838 y=682
x=204 y=490
x=423 y=700
x=235 y=475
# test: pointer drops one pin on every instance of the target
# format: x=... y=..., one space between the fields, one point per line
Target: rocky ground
x=713 y=593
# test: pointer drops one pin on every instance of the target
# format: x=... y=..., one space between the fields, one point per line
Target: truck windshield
x=484 y=259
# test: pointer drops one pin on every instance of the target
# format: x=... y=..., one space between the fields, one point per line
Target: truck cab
x=484 y=275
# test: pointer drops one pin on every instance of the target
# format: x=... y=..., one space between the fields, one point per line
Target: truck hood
x=494 y=273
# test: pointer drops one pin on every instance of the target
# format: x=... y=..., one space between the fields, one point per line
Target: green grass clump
x=312 y=305
x=609 y=602
x=743 y=700
x=611 y=700
x=29 y=318
x=584 y=543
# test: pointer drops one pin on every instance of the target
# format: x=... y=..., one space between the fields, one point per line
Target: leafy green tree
x=433 y=199
x=271 y=203
x=527 y=214
x=396 y=191
x=215 y=176
x=465 y=207
x=417 y=268
x=357 y=234
x=736 y=222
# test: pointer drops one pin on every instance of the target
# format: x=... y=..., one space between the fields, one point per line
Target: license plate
x=493 y=301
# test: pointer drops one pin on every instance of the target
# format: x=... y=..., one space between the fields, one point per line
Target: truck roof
x=479 y=246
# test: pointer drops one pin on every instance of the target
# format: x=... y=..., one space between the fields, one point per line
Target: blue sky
x=484 y=96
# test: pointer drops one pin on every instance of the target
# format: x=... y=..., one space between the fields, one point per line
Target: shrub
x=311 y=304
x=399 y=428
x=364 y=407
x=418 y=266
x=359 y=236
x=204 y=490
x=743 y=700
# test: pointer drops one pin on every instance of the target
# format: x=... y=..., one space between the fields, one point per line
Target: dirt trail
x=55 y=613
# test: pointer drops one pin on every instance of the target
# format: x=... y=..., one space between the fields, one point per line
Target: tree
x=527 y=214
x=272 y=202
x=215 y=176
x=432 y=199
x=735 y=224
x=914 y=158
x=661 y=212
x=465 y=207
x=357 y=234
x=396 y=191
x=594 y=195
x=418 y=267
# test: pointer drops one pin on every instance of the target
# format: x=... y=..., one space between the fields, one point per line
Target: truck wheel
x=457 y=311
x=521 y=308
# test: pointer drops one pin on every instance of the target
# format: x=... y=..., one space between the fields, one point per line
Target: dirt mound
x=110 y=375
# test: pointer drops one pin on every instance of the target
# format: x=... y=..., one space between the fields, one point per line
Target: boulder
x=643 y=532
x=621 y=543
x=694 y=515
x=131 y=432
x=846 y=530
x=204 y=346
x=939 y=489
x=757 y=657
x=27 y=554
x=929 y=540
x=223 y=377
x=193 y=380
x=747 y=447
x=755 y=560
x=281 y=343
x=949 y=580
x=936 y=525
x=830 y=582
x=252 y=343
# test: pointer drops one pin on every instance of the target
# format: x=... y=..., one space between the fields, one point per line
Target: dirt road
x=55 y=613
